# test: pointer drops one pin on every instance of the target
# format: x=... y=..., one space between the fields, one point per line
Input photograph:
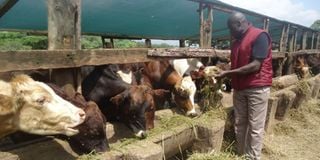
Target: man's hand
x=222 y=74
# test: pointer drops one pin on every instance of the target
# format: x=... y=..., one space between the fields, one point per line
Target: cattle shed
x=199 y=21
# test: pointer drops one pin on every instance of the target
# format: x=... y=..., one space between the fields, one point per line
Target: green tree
x=316 y=25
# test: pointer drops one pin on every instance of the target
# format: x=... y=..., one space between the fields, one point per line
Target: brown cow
x=33 y=107
x=119 y=100
x=92 y=132
x=160 y=74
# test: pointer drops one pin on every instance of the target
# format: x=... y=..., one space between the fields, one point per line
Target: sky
x=303 y=12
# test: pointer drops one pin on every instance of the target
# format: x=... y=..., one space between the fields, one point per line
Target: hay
x=90 y=156
x=303 y=87
x=169 y=123
x=215 y=156
x=211 y=98
x=297 y=137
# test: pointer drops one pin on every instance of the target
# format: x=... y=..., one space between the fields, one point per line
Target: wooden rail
x=45 y=59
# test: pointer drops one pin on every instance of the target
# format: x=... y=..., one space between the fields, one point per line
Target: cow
x=161 y=75
x=92 y=132
x=33 y=107
x=119 y=100
x=301 y=68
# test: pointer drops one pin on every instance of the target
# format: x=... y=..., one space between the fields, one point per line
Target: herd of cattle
x=129 y=93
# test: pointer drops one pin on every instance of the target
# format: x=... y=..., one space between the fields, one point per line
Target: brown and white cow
x=160 y=74
x=33 y=107
x=119 y=100
x=92 y=132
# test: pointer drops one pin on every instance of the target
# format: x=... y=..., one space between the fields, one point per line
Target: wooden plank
x=188 y=52
x=295 y=40
x=6 y=5
x=44 y=59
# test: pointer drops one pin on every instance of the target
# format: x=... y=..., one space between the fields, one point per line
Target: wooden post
x=205 y=26
x=64 y=32
x=64 y=29
x=266 y=24
x=293 y=41
x=182 y=43
x=103 y=42
x=318 y=41
x=312 y=41
x=284 y=37
x=148 y=43
x=304 y=40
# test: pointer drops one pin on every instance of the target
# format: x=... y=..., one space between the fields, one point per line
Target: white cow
x=33 y=107
x=185 y=66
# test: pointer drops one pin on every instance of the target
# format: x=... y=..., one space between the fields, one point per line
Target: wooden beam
x=182 y=43
x=6 y=5
x=64 y=24
x=312 y=41
x=284 y=37
x=295 y=34
x=205 y=26
x=304 y=40
x=148 y=43
x=47 y=59
x=318 y=41
x=293 y=41
x=266 y=24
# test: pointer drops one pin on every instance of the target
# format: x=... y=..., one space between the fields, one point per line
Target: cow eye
x=41 y=100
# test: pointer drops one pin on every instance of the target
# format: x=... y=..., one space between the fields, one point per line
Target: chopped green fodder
x=90 y=156
x=210 y=96
x=169 y=123
x=123 y=142
x=215 y=156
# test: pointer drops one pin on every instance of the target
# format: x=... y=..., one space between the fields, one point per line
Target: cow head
x=41 y=111
x=184 y=92
x=92 y=132
x=137 y=107
x=301 y=68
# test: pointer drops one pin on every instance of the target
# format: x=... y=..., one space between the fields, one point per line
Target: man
x=251 y=74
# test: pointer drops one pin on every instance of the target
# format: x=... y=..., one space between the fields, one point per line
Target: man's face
x=235 y=28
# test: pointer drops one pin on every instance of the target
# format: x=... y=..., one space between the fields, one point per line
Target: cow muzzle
x=141 y=134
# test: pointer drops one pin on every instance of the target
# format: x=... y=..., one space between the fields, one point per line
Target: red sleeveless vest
x=241 y=51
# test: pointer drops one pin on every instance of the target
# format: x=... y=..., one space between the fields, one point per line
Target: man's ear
x=119 y=98
x=160 y=92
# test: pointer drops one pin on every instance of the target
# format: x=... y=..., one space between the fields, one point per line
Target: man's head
x=237 y=24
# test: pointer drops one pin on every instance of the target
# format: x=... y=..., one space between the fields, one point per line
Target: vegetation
x=316 y=25
x=23 y=41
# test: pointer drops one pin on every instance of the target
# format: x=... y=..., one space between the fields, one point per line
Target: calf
x=33 y=107
x=119 y=100
x=92 y=132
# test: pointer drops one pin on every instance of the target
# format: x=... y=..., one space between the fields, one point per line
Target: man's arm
x=253 y=66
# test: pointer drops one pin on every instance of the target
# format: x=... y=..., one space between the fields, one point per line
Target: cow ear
x=160 y=92
x=119 y=98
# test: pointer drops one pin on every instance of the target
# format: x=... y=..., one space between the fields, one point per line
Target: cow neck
x=167 y=78
x=7 y=119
